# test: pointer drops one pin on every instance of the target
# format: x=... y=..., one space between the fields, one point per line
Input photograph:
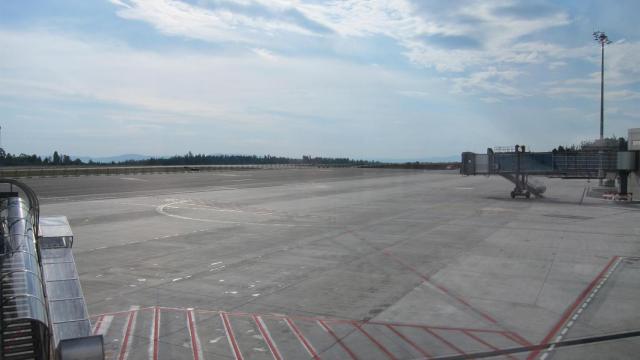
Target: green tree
x=56 y=158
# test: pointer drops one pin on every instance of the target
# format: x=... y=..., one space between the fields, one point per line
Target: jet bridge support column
x=521 y=178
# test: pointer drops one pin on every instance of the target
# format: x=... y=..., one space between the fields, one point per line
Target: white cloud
x=490 y=81
x=265 y=54
x=414 y=26
x=255 y=87
x=218 y=25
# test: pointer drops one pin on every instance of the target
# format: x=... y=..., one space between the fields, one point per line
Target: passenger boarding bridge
x=516 y=165
x=43 y=314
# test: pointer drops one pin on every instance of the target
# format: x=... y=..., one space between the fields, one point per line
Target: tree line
x=57 y=159
x=8 y=159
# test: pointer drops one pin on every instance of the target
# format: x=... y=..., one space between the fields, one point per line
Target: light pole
x=603 y=39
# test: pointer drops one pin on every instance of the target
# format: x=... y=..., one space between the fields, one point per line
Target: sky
x=386 y=79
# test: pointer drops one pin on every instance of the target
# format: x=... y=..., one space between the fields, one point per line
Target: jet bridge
x=43 y=314
x=516 y=165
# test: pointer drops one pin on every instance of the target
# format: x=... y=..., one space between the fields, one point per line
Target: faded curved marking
x=161 y=210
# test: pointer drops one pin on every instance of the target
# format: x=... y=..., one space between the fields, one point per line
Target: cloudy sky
x=366 y=79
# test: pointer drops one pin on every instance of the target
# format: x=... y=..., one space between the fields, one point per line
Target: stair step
x=20 y=356
x=8 y=343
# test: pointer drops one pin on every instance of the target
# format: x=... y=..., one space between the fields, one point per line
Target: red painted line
x=117 y=313
x=349 y=321
x=374 y=341
x=128 y=329
x=474 y=337
x=267 y=337
x=516 y=338
x=156 y=332
x=98 y=324
x=230 y=337
x=443 y=340
x=484 y=315
x=305 y=343
x=410 y=342
x=172 y=309
x=335 y=336
x=193 y=334
x=567 y=313
x=400 y=324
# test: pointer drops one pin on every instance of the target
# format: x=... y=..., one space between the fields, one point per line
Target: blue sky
x=366 y=79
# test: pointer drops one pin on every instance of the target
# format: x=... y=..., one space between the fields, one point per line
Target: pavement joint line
x=377 y=343
x=592 y=291
x=443 y=289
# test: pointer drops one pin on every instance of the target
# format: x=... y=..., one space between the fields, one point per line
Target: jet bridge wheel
x=513 y=194
x=527 y=195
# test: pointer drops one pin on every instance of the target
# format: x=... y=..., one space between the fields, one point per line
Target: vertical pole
x=601 y=172
x=602 y=94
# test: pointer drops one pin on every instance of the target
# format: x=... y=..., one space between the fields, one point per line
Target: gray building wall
x=634 y=177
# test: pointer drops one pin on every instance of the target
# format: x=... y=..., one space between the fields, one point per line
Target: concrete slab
x=425 y=262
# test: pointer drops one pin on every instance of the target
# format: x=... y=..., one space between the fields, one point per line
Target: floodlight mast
x=603 y=39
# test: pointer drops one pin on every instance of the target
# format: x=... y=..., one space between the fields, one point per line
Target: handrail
x=34 y=203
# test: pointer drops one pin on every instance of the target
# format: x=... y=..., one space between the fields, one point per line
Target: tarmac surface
x=348 y=263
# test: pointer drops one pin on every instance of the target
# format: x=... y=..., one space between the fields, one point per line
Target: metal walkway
x=516 y=165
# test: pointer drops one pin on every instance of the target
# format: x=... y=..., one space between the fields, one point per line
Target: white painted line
x=154 y=334
x=266 y=335
x=129 y=329
x=303 y=340
x=558 y=338
x=193 y=334
x=581 y=309
x=233 y=344
x=102 y=326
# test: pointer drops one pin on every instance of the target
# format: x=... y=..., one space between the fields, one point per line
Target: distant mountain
x=108 y=159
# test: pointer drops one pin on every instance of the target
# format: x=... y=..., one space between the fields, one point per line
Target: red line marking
x=445 y=341
x=474 y=337
x=396 y=324
x=349 y=321
x=232 y=339
x=484 y=315
x=96 y=329
x=335 y=336
x=125 y=341
x=194 y=335
x=156 y=332
x=302 y=339
x=314 y=319
x=374 y=341
x=410 y=342
x=515 y=338
x=267 y=337
x=567 y=313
